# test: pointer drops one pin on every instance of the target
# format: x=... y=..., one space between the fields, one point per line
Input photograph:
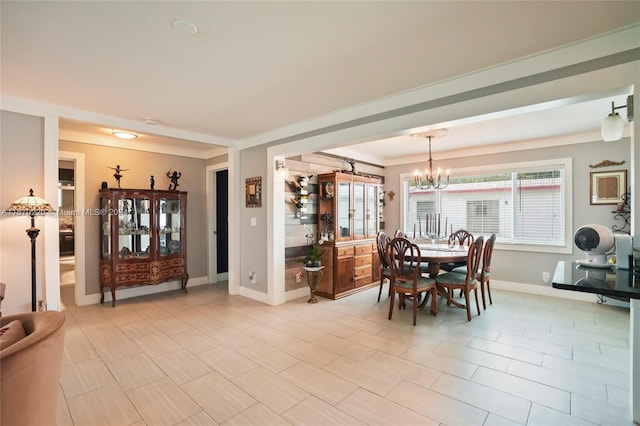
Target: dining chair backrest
x=473 y=258
x=383 y=241
x=400 y=234
x=404 y=258
x=486 y=255
x=461 y=237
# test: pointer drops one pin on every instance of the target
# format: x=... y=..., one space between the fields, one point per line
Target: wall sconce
x=281 y=169
x=613 y=125
x=123 y=135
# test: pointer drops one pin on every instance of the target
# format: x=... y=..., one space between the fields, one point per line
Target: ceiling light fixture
x=613 y=125
x=432 y=181
x=124 y=135
x=184 y=27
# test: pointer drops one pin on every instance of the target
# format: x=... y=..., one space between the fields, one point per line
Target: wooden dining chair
x=451 y=281
x=383 y=241
x=406 y=278
x=400 y=234
x=460 y=238
x=483 y=275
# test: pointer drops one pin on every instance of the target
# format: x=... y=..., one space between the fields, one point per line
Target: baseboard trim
x=143 y=290
x=127 y=293
x=545 y=291
x=297 y=293
x=254 y=294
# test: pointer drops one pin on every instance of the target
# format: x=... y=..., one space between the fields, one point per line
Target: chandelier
x=429 y=180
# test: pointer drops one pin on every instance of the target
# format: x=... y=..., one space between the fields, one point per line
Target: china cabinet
x=348 y=222
x=142 y=238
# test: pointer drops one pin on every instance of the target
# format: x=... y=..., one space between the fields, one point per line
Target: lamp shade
x=30 y=204
x=612 y=128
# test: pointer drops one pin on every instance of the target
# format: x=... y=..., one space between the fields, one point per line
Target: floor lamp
x=33 y=206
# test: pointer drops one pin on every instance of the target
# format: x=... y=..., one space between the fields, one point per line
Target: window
x=523 y=204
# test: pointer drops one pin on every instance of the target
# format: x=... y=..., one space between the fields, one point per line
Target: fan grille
x=587 y=239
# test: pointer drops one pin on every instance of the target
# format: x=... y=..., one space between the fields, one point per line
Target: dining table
x=437 y=254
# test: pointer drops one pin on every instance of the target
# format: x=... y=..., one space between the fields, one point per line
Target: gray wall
x=519 y=266
x=22 y=168
x=141 y=166
x=217 y=160
x=253 y=255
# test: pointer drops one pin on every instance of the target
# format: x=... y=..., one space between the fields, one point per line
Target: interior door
x=222 y=221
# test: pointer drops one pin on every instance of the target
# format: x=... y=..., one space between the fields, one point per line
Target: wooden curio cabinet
x=348 y=222
x=143 y=238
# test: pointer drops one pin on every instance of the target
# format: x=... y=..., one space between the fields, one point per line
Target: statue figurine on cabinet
x=152 y=182
x=173 y=186
x=117 y=175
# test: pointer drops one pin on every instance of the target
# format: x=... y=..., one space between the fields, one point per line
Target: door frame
x=212 y=262
x=79 y=225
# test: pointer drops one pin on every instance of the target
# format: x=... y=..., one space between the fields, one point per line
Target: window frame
x=567 y=199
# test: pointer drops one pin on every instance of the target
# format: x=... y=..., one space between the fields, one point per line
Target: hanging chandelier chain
x=432 y=180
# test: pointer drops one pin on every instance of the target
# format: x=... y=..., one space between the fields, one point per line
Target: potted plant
x=313 y=257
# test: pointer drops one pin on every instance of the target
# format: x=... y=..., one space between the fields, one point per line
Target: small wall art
x=253 y=187
x=608 y=187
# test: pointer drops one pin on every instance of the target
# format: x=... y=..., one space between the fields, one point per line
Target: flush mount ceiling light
x=432 y=181
x=613 y=125
x=124 y=135
x=184 y=27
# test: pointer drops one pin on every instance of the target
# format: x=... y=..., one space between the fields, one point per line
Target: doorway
x=66 y=231
x=222 y=223
x=218 y=222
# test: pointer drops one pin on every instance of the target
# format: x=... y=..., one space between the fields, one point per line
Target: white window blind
x=523 y=206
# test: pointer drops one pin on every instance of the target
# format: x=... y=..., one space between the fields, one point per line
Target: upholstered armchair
x=31 y=347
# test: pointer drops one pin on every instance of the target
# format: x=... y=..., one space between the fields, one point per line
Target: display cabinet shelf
x=348 y=222
x=143 y=238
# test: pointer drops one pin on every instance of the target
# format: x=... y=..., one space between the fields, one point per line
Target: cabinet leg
x=101 y=294
x=113 y=297
x=185 y=278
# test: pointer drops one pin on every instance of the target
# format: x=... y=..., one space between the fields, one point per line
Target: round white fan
x=596 y=241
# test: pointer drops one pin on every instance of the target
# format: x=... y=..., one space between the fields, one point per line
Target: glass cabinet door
x=359 y=209
x=372 y=210
x=344 y=211
x=169 y=225
x=134 y=220
x=105 y=222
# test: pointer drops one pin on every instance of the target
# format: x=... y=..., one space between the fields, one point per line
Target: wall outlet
x=299 y=277
x=546 y=276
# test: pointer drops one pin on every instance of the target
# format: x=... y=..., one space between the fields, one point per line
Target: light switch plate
x=254 y=221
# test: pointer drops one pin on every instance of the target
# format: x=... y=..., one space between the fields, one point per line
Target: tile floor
x=207 y=358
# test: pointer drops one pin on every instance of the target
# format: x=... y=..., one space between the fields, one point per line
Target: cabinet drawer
x=362 y=280
x=344 y=251
x=362 y=260
x=360 y=271
x=364 y=249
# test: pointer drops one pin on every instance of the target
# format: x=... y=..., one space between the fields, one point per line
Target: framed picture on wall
x=608 y=187
x=253 y=187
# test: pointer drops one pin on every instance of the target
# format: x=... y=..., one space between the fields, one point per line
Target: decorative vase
x=313 y=274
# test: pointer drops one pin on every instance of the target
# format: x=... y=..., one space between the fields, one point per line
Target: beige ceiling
x=258 y=66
